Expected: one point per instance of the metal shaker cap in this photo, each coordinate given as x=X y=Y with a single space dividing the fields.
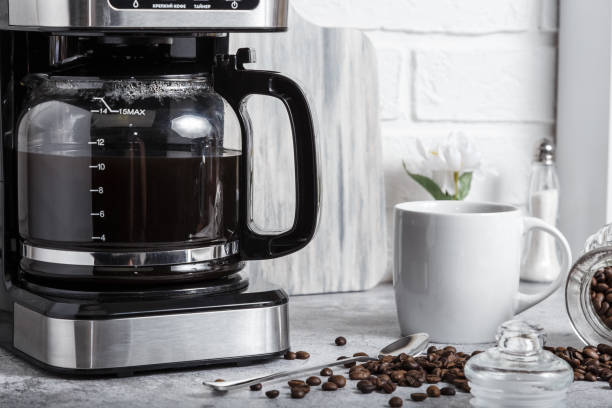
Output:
x=546 y=152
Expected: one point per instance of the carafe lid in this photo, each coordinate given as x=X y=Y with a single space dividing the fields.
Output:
x=518 y=369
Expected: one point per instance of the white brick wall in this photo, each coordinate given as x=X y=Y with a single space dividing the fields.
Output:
x=486 y=67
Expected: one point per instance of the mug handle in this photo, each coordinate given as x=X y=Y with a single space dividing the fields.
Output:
x=524 y=300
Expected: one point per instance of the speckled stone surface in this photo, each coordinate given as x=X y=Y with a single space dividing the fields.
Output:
x=366 y=319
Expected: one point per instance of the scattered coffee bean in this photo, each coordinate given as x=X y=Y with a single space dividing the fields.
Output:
x=326 y=372
x=366 y=386
x=388 y=387
x=361 y=354
x=418 y=396
x=314 y=381
x=433 y=391
x=396 y=402
x=219 y=380
x=339 y=380
x=447 y=391
x=305 y=388
x=432 y=379
x=256 y=387
x=272 y=394
x=297 y=393
x=290 y=355
x=295 y=383
x=302 y=355
x=340 y=341
x=330 y=386
x=589 y=364
x=359 y=375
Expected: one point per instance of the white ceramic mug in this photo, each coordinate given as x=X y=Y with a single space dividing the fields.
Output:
x=457 y=268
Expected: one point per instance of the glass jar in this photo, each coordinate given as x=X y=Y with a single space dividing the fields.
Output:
x=588 y=293
x=518 y=372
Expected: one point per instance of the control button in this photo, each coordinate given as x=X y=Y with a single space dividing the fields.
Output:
x=136 y=4
x=234 y=5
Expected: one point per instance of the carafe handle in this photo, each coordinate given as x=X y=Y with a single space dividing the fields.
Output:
x=235 y=84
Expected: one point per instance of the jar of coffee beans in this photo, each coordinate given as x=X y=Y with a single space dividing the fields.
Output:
x=588 y=293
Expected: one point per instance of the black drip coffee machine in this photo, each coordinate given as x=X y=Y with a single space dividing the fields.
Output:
x=126 y=184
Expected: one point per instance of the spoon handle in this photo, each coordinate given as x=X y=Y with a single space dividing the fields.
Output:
x=232 y=385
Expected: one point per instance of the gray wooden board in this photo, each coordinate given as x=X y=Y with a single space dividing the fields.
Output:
x=337 y=69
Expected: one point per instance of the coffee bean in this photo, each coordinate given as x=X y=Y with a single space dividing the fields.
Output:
x=605 y=349
x=326 y=372
x=432 y=379
x=366 y=386
x=413 y=382
x=447 y=391
x=297 y=393
x=590 y=352
x=340 y=341
x=256 y=387
x=590 y=377
x=330 y=386
x=290 y=355
x=339 y=380
x=359 y=374
x=295 y=383
x=314 y=381
x=389 y=387
x=396 y=402
x=305 y=388
x=578 y=376
x=302 y=355
x=418 y=396
x=433 y=391
x=219 y=380
x=361 y=354
x=272 y=394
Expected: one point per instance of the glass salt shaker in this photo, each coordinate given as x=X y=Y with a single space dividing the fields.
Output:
x=588 y=293
x=541 y=263
x=518 y=372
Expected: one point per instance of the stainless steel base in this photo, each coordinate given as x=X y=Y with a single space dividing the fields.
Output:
x=156 y=340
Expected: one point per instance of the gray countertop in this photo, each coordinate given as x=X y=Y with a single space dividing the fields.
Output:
x=366 y=319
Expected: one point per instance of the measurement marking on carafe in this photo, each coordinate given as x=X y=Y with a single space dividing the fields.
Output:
x=99 y=142
x=99 y=190
x=100 y=238
x=108 y=108
x=98 y=214
x=99 y=166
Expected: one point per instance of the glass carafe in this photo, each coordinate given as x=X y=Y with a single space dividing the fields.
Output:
x=148 y=178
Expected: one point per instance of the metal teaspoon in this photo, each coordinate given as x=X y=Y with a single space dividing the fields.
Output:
x=412 y=345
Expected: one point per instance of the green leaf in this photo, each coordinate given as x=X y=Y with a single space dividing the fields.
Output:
x=429 y=185
x=464 y=185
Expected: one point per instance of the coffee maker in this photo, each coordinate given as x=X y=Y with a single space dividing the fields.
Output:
x=126 y=185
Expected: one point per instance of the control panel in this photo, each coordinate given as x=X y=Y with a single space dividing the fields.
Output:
x=184 y=4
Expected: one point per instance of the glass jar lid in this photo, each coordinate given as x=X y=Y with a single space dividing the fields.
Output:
x=518 y=372
x=589 y=288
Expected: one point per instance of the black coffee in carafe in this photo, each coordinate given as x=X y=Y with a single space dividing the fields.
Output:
x=138 y=198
